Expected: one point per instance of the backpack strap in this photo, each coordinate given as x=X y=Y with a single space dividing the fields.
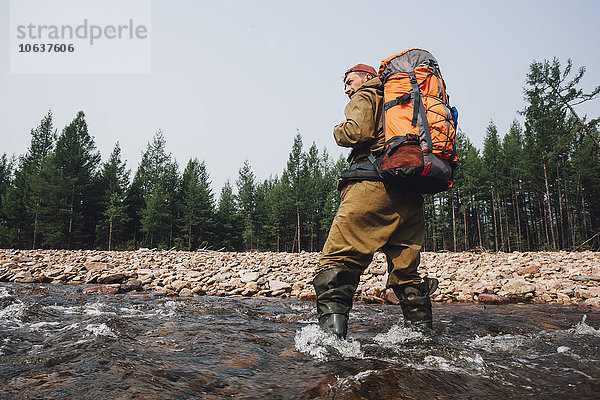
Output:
x=373 y=160
x=397 y=141
x=398 y=100
x=351 y=156
x=419 y=109
x=363 y=171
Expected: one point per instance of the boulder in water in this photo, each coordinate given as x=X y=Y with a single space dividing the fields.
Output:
x=108 y=289
x=488 y=298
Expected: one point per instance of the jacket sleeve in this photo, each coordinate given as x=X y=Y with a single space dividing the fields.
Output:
x=359 y=127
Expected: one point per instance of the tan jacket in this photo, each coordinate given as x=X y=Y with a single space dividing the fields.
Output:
x=363 y=128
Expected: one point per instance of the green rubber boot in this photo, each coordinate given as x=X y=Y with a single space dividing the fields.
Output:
x=416 y=303
x=335 y=323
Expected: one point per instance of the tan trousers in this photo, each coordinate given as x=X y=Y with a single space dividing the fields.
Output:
x=371 y=216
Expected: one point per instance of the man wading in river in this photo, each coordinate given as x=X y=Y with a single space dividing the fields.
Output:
x=372 y=215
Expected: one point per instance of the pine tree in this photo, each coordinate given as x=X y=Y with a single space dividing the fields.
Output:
x=293 y=178
x=264 y=230
x=53 y=211
x=228 y=220
x=197 y=219
x=156 y=181
x=114 y=180
x=548 y=81
x=134 y=203
x=171 y=182
x=76 y=160
x=512 y=162
x=492 y=149
x=155 y=217
x=28 y=194
x=275 y=203
x=40 y=169
x=313 y=204
x=246 y=199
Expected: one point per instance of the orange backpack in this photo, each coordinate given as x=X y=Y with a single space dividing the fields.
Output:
x=419 y=124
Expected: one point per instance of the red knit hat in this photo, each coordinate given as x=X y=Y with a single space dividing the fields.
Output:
x=362 y=68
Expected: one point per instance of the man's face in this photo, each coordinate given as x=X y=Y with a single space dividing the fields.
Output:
x=353 y=81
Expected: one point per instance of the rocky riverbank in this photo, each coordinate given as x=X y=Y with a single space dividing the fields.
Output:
x=552 y=277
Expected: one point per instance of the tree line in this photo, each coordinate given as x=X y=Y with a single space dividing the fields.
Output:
x=59 y=195
x=534 y=188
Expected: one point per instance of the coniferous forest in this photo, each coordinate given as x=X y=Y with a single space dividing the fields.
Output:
x=535 y=187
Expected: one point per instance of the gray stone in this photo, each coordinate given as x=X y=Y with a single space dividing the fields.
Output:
x=518 y=287
x=246 y=277
x=594 y=302
x=179 y=285
x=112 y=278
x=23 y=277
x=276 y=285
x=278 y=292
x=250 y=289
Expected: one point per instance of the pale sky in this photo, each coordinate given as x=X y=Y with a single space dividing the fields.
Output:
x=234 y=80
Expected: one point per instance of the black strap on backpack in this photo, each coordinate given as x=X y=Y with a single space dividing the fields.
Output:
x=362 y=171
x=398 y=100
x=419 y=108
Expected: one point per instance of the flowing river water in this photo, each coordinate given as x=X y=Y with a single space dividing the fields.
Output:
x=58 y=343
